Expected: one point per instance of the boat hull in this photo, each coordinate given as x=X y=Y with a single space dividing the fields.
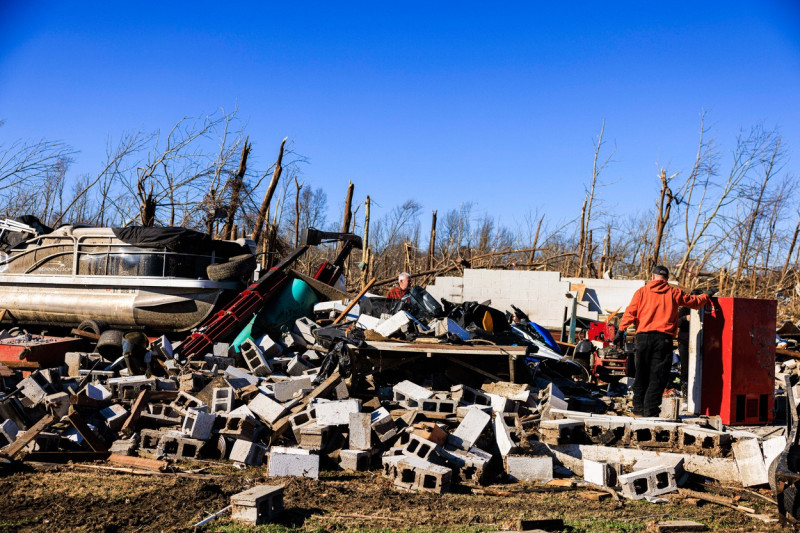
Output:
x=156 y=304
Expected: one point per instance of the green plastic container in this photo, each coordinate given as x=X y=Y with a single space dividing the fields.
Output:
x=296 y=300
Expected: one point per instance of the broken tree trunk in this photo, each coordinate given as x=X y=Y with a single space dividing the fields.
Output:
x=237 y=183
x=263 y=212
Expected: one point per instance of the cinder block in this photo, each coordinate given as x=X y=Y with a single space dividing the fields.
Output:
x=241 y=426
x=8 y=432
x=605 y=431
x=267 y=409
x=564 y=431
x=469 y=465
x=305 y=327
x=383 y=424
x=162 y=346
x=355 y=460
x=360 y=431
x=649 y=482
x=750 y=461
x=653 y=434
x=58 y=403
x=336 y=413
x=186 y=401
x=115 y=416
x=296 y=366
x=422 y=448
x=198 y=424
x=247 y=452
x=254 y=358
x=238 y=378
x=526 y=468
x=174 y=445
x=435 y=405
x=469 y=396
x=368 y=322
x=600 y=473
x=269 y=347
x=470 y=429
x=96 y=391
x=222 y=401
x=340 y=391
x=397 y=323
x=313 y=436
x=293 y=462
x=129 y=387
x=300 y=419
x=503 y=436
x=670 y=408
x=75 y=361
x=294 y=341
x=221 y=349
x=258 y=505
x=695 y=439
x=413 y=473
x=410 y=395
x=773 y=447
x=286 y=390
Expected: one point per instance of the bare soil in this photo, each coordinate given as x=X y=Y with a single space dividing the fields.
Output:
x=73 y=498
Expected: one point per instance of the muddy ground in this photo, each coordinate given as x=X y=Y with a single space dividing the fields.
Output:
x=78 y=498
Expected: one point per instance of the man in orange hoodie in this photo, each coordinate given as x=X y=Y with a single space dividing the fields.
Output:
x=653 y=311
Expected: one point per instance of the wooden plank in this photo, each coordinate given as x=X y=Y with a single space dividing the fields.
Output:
x=138 y=462
x=85 y=431
x=22 y=365
x=65 y=457
x=22 y=440
x=85 y=334
x=5 y=371
x=281 y=425
x=445 y=349
x=136 y=410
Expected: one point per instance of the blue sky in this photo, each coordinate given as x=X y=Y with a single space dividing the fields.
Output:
x=495 y=104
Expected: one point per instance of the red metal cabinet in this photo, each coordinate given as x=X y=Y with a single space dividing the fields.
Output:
x=738 y=380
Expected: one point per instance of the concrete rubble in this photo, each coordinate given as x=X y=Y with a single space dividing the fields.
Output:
x=309 y=397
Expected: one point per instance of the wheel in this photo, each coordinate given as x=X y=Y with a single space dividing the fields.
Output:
x=95 y=326
x=110 y=344
x=238 y=267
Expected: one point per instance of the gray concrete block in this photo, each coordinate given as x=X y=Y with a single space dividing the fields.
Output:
x=267 y=409
x=410 y=395
x=360 y=431
x=749 y=459
x=305 y=327
x=8 y=432
x=383 y=424
x=247 y=452
x=222 y=400
x=527 y=468
x=58 y=403
x=563 y=431
x=337 y=412
x=470 y=429
x=293 y=462
x=503 y=436
x=254 y=358
x=198 y=424
x=238 y=378
x=397 y=323
x=355 y=460
x=413 y=473
x=286 y=390
x=269 y=347
x=600 y=473
x=258 y=505
x=114 y=416
x=469 y=396
x=186 y=401
x=648 y=482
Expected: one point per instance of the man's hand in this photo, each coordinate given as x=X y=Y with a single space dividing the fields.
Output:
x=619 y=339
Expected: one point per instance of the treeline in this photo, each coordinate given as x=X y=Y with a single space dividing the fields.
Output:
x=729 y=222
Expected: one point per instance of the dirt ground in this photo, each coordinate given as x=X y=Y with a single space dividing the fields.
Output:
x=76 y=498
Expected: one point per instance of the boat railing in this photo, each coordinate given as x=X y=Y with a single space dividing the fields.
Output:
x=113 y=248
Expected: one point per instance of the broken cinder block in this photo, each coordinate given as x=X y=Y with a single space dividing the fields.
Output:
x=258 y=505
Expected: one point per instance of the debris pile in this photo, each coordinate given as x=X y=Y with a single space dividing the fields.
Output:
x=432 y=394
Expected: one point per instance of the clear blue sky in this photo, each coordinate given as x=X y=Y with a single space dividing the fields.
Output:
x=491 y=103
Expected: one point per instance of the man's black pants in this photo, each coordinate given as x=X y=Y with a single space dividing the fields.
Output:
x=653 y=364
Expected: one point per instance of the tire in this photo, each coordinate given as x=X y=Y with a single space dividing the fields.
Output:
x=95 y=326
x=238 y=267
x=110 y=344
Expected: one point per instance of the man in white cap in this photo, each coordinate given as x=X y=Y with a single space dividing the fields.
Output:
x=403 y=286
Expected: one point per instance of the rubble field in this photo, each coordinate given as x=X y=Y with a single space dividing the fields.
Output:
x=78 y=499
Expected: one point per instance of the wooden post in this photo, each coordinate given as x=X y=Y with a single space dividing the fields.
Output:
x=432 y=241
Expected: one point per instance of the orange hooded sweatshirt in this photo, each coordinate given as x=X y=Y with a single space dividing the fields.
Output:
x=654 y=307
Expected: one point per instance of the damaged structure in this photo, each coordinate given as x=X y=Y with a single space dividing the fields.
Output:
x=295 y=375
